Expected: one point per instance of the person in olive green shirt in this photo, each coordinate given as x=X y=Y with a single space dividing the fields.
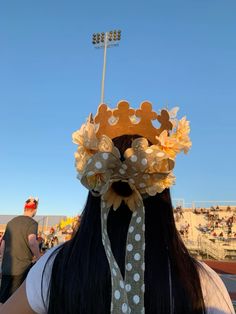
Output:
x=18 y=247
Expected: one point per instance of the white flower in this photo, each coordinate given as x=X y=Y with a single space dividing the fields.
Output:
x=86 y=136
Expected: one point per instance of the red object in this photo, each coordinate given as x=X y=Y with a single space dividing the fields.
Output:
x=30 y=205
x=222 y=267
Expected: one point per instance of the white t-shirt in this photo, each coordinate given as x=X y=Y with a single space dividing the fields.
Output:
x=215 y=295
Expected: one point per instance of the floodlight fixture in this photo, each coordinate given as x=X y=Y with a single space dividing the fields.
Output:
x=105 y=40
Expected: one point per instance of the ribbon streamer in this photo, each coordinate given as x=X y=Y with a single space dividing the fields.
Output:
x=127 y=293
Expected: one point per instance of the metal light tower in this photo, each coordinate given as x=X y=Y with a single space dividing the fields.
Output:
x=105 y=40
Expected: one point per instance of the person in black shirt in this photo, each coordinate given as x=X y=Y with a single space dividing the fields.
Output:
x=18 y=247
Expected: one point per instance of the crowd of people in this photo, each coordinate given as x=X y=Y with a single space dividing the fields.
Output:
x=47 y=241
x=220 y=227
x=217 y=208
x=219 y=222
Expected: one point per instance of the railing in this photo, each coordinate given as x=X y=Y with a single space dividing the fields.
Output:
x=206 y=204
x=212 y=249
x=205 y=246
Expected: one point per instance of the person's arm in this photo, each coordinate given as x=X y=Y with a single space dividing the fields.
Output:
x=34 y=245
x=17 y=303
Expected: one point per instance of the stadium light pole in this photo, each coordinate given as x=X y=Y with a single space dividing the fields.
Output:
x=105 y=40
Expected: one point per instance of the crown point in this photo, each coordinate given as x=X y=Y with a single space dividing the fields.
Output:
x=123 y=103
x=164 y=119
x=146 y=105
x=131 y=121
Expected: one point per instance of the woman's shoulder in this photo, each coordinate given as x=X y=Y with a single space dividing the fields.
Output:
x=38 y=280
x=215 y=294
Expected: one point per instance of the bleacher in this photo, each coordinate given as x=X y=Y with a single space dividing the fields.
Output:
x=208 y=232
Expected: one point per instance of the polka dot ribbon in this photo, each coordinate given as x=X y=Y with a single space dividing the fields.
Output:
x=128 y=292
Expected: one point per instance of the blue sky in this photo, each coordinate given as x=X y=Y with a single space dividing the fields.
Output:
x=175 y=53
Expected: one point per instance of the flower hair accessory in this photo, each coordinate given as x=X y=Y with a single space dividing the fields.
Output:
x=147 y=169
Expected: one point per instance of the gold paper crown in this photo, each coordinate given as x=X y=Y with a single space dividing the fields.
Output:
x=125 y=120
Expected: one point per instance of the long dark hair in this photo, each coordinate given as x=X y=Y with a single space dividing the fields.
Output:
x=81 y=282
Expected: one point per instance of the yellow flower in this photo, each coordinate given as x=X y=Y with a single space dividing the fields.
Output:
x=88 y=146
x=81 y=158
x=87 y=142
x=167 y=182
x=161 y=185
x=134 y=201
x=182 y=134
x=168 y=144
x=177 y=141
x=86 y=136
x=113 y=199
